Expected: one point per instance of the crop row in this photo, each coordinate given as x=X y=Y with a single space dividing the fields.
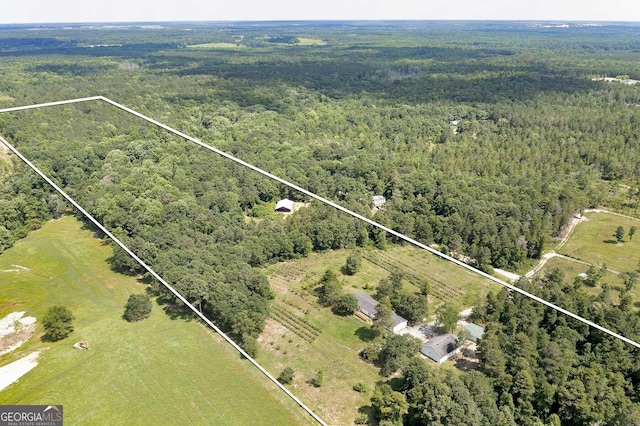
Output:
x=294 y=323
x=438 y=288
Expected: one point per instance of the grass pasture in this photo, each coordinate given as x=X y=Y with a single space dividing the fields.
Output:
x=160 y=370
x=593 y=241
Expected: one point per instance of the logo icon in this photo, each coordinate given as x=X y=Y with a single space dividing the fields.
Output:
x=32 y=415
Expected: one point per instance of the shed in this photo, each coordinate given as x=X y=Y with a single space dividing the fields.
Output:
x=284 y=206
x=379 y=200
x=367 y=305
x=455 y=122
x=475 y=330
x=440 y=348
x=583 y=276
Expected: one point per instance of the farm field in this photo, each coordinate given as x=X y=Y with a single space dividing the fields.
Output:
x=134 y=373
x=449 y=282
x=593 y=241
x=300 y=332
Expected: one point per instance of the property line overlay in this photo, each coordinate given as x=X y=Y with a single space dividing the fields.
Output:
x=160 y=279
x=299 y=189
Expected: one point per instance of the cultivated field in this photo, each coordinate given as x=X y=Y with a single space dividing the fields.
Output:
x=160 y=370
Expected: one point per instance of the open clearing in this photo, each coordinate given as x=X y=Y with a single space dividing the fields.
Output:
x=571 y=270
x=216 y=46
x=302 y=41
x=593 y=241
x=135 y=373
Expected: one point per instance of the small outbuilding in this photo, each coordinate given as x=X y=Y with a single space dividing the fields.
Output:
x=441 y=348
x=455 y=122
x=284 y=206
x=475 y=330
x=367 y=306
x=379 y=200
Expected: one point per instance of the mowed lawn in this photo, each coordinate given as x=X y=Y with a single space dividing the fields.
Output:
x=593 y=241
x=158 y=371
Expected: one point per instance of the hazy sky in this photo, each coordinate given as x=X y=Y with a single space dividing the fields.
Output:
x=23 y=11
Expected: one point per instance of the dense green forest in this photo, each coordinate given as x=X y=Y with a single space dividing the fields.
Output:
x=370 y=111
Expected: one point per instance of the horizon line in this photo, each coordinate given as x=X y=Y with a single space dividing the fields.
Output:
x=319 y=20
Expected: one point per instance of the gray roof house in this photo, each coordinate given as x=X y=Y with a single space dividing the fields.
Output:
x=440 y=348
x=284 y=206
x=367 y=305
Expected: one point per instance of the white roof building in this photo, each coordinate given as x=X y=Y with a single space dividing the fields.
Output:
x=379 y=200
x=284 y=206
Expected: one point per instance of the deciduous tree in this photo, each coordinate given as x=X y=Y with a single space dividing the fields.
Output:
x=58 y=322
x=138 y=307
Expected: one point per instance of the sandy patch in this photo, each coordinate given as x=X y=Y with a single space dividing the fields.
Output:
x=18 y=268
x=509 y=275
x=12 y=372
x=15 y=329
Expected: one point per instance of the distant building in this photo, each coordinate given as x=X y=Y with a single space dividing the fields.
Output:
x=379 y=200
x=367 y=306
x=284 y=206
x=475 y=330
x=441 y=348
x=455 y=122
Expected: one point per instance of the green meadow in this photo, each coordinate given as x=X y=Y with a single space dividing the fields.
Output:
x=158 y=371
x=593 y=241
x=571 y=270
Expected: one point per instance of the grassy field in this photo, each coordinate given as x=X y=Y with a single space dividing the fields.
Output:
x=593 y=242
x=215 y=46
x=572 y=269
x=332 y=349
x=311 y=42
x=156 y=371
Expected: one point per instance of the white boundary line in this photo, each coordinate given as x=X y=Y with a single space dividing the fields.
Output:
x=310 y=194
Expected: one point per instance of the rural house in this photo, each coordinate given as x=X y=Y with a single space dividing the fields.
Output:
x=441 y=348
x=367 y=306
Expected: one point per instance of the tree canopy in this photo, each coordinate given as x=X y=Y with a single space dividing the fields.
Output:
x=58 y=322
